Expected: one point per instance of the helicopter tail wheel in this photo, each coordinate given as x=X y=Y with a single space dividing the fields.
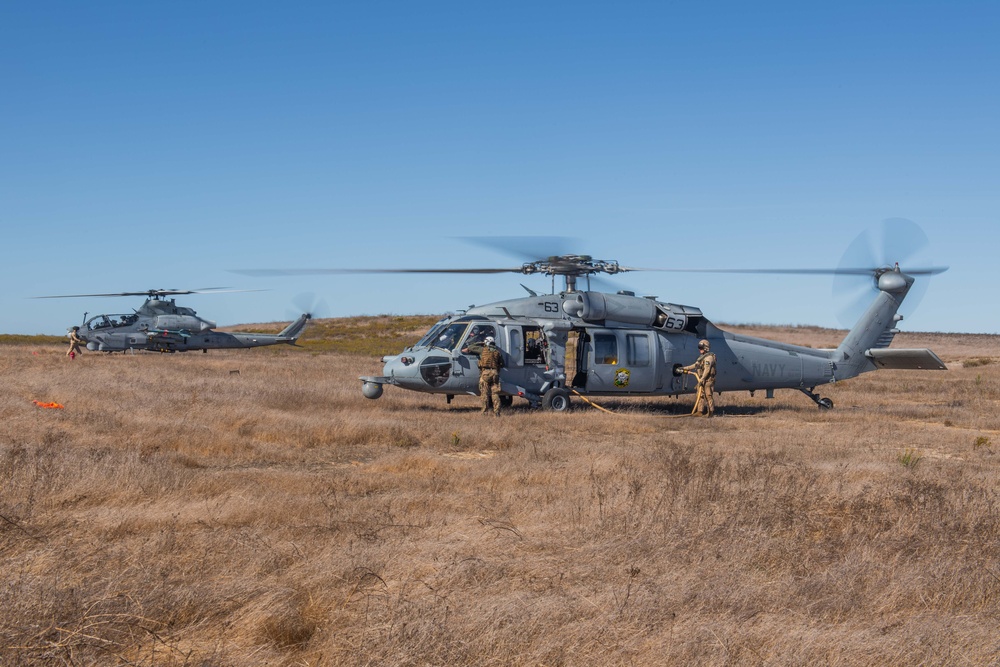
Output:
x=556 y=399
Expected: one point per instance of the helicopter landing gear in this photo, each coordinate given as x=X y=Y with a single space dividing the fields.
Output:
x=556 y=399
x=506 y=401
x=821 y=402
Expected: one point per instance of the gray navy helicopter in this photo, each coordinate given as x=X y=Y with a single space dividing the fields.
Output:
x=592 y=343
x=160 y=325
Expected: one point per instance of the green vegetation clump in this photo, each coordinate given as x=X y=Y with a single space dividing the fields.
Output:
x=910 y=458
x=372 y=336
x=368 y=335
x=37 y=339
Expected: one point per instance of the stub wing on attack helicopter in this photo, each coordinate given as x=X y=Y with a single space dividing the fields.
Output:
x=160 y=325
x=596 y=343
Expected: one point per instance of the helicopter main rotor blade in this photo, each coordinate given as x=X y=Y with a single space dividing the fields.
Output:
x=864 y=271
x=152 y=293
x=260 y=273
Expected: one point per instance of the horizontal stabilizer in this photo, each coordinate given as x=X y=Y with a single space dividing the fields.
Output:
x=906 y=359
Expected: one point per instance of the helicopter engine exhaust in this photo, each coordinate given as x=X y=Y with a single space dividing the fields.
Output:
x=597 y=307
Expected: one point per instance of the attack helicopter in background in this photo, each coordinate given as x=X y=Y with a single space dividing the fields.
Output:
x=594 y=343
x=160 y=325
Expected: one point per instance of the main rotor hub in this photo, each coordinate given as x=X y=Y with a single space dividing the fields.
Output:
x=571 y=265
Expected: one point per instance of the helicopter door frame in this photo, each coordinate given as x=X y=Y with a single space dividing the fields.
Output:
x=463 y=363
x=620 y=360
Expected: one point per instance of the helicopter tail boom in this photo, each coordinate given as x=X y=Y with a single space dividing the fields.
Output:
x=864 y=347
x=291 y=333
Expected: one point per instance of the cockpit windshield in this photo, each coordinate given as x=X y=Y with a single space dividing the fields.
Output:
x=111 y=321
x=431 y=335
x=449 y=337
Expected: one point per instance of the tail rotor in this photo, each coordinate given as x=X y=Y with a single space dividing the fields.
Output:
x=882 y=247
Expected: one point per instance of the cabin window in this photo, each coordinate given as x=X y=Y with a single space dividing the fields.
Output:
x=514 y=347
x=637 y=349
x=605 y=349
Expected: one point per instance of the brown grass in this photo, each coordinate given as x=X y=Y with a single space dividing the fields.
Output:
x=251 y=507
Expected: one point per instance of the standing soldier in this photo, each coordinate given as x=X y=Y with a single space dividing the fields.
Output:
x=703 y=370
x=490 y=363
x=74 y=343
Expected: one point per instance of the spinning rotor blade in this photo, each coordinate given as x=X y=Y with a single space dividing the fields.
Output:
x=153 y=293
x=262 y=273
x=525 y=248
x=890 y=242
x=866 y=271
x=308 y=302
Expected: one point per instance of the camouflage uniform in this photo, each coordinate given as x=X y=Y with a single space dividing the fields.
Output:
x=490 y=363
x=704 y=371
x=74 y=343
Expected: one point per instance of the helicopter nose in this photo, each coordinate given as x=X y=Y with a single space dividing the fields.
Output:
x=399 y=366
x=419 y=371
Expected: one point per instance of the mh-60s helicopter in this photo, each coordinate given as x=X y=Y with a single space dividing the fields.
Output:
x=618 y=344
x=161 y=325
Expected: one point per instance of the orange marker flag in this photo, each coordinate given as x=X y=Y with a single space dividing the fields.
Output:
x=58 y=406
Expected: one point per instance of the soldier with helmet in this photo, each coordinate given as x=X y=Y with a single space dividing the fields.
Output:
x=475 y=340
x=703 y=370
x=490 y=363
x=74 y=342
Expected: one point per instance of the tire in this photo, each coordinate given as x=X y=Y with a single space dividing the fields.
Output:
x=825 y=404
x=506 y=401
x=556 y=399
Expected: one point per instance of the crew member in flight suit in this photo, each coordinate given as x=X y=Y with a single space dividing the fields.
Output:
x=490 y=363
x=703 y=370
x=74 y=343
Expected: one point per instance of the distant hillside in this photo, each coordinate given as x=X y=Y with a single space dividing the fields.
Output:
x=368 y=335
x=37 y=339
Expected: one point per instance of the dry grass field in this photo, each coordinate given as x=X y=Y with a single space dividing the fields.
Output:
x=252 y=508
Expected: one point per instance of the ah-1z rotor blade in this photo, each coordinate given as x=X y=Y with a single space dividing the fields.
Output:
x=152 y=293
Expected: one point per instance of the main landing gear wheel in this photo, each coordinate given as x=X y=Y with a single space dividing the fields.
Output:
x=821 y=402
x=506 y=401
x=556 y=399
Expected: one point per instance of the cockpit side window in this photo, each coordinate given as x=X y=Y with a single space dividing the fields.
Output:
x=449 y=338
x=478 y=334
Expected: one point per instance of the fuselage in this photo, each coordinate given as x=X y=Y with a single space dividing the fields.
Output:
x=163 y=326
x=598 y=344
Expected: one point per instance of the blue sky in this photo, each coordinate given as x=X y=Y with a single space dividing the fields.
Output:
x=159 y=145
